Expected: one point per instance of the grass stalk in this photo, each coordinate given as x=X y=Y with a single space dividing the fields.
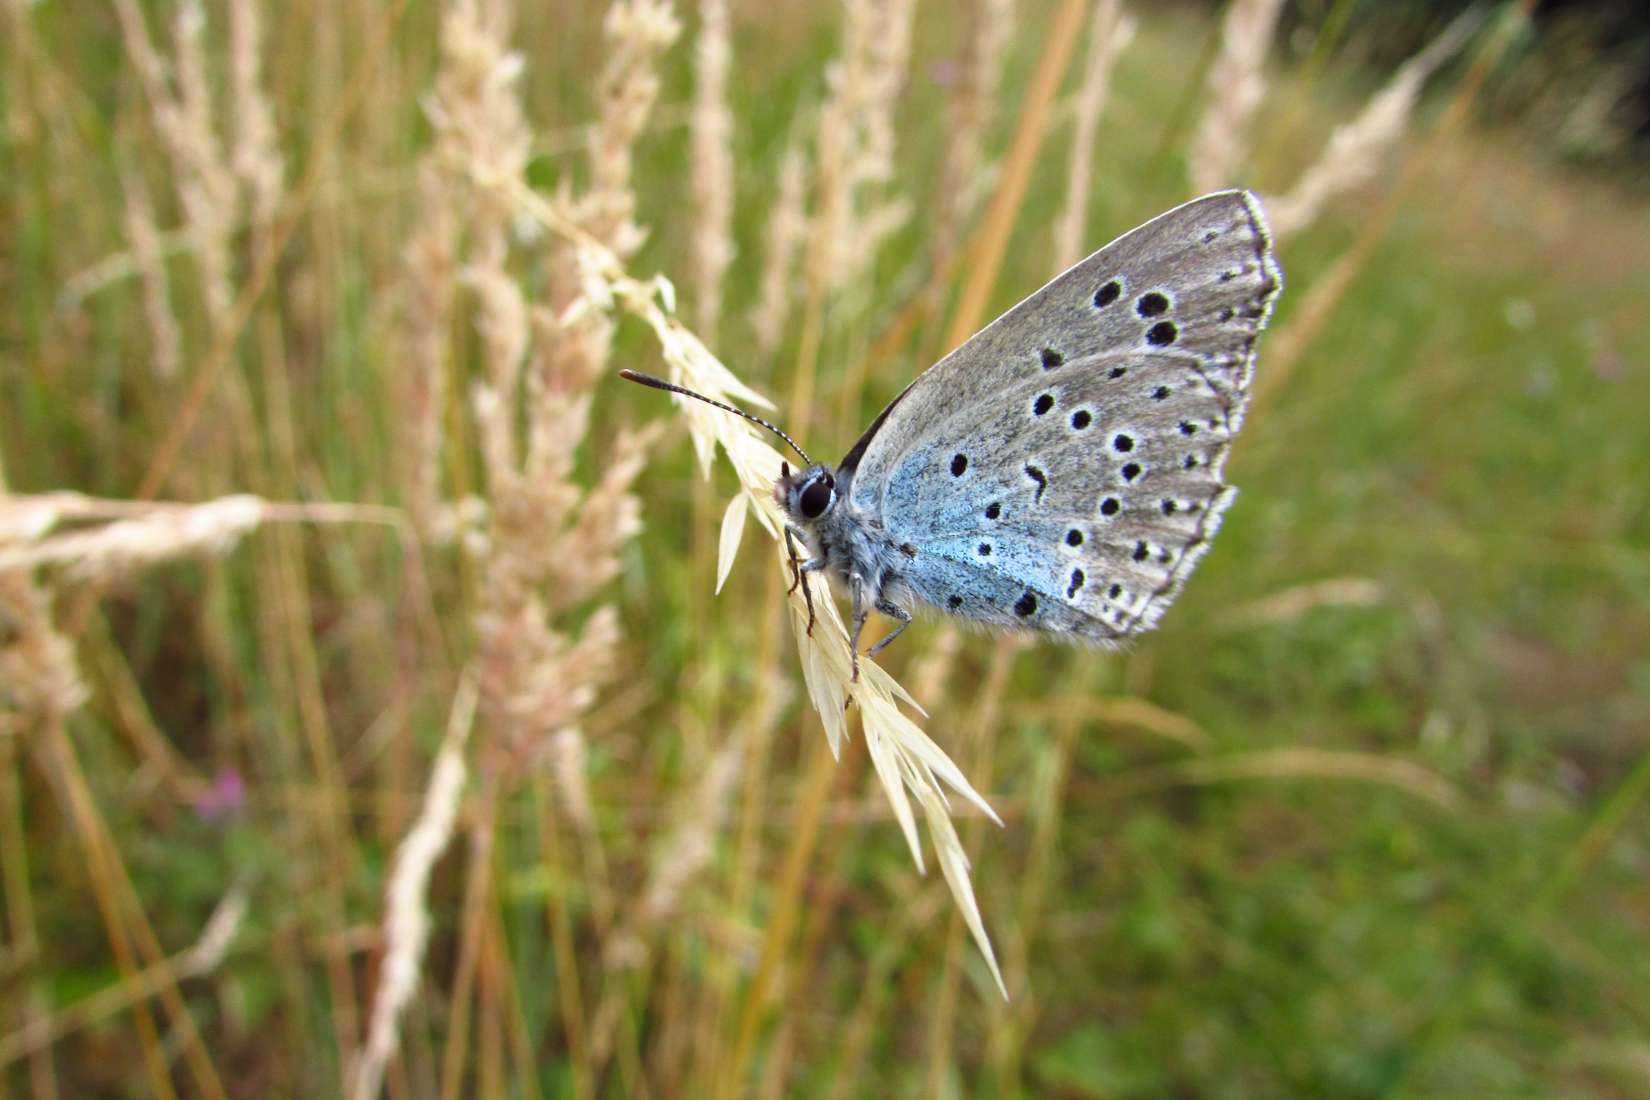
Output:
x=822 y=917
x=879 y=987
x=291 y=598
x=1059 y=46
x=88 y=826
x=114 y=682
x=748 y=845
x=787 y=900
x=1045 y=815
x=226 y=337
x=987 y=714
x=570 y=998
x=1310 y=316
x=1110 y=29
x=478 y=885
x=45 y=1029
x=1236 y=87
x=1445 y=1021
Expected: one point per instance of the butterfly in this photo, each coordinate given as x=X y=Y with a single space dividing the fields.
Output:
x=1060 y=472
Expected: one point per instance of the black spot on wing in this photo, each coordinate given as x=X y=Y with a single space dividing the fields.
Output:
x=1037 y=475
x=1162 y=334
x=1152 y=305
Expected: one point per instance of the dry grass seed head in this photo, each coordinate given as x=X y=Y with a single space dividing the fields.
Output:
x=855 y=150
x=257 y=156
x=428 y=268
x=1355 y=150
x=165 y=336
x=180 y=108
x=480 y=134
x=908 y=763
x=637 y=32
x=1237 y=84
x=406 y=917
x=713 y=247
x=987 y=24
x=158 y=533
x=787 y=229
x=39 y=678
x=1110 y=31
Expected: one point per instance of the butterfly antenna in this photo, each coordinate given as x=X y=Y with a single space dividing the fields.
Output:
x=661 y=384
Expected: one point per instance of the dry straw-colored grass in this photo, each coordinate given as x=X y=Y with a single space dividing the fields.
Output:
x=1110 y=30
x=503 y=305
x=713 y=185
x=1358 y=149
x=1235 y=87
x=406 y=915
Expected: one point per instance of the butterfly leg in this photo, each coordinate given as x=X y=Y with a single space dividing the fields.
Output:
x=799 y=567
x=898 y=614
x=856 y=585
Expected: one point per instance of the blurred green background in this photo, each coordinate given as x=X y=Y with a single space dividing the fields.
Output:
x=1364 y=818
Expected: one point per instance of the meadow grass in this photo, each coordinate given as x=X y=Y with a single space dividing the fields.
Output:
x=423 y=757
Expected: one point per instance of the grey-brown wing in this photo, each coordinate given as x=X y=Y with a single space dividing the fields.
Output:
x=1074 y=447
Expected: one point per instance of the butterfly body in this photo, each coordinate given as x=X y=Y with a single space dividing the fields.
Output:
x=1061 y=471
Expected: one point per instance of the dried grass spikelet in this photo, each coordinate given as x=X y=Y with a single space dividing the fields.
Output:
x=1355 y=150
x=1236 y=85
x=162 y=533
x=108 y=539
x=480 y=135
x=39 y=679
x=550 y=547
x=117 y=537
x=182 y=117
x=987 y=24
x=636 y=33
x=406 y=919
x=713 y=247
x=568 y=760
x=1297 y=763
x=428 y=269
x=165 y=340
x=854 y=153
x=907 y=762
x=787 y=229
x=550 y=543
x=218 y=934
x=256 y=158
x=1110 y=31
x=1295 y=601
x=212 y=208
x=212 y=186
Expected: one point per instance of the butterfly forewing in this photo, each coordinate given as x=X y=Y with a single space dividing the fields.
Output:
x=1061 y=470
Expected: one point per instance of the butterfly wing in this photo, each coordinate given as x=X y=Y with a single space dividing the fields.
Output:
x=1061 y=470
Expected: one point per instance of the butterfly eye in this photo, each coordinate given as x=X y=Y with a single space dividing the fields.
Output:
x=815 y=499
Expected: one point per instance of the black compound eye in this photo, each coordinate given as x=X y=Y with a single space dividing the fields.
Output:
x=815 y=499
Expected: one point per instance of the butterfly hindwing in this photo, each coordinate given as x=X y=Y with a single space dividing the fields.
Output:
x=1061 y=471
